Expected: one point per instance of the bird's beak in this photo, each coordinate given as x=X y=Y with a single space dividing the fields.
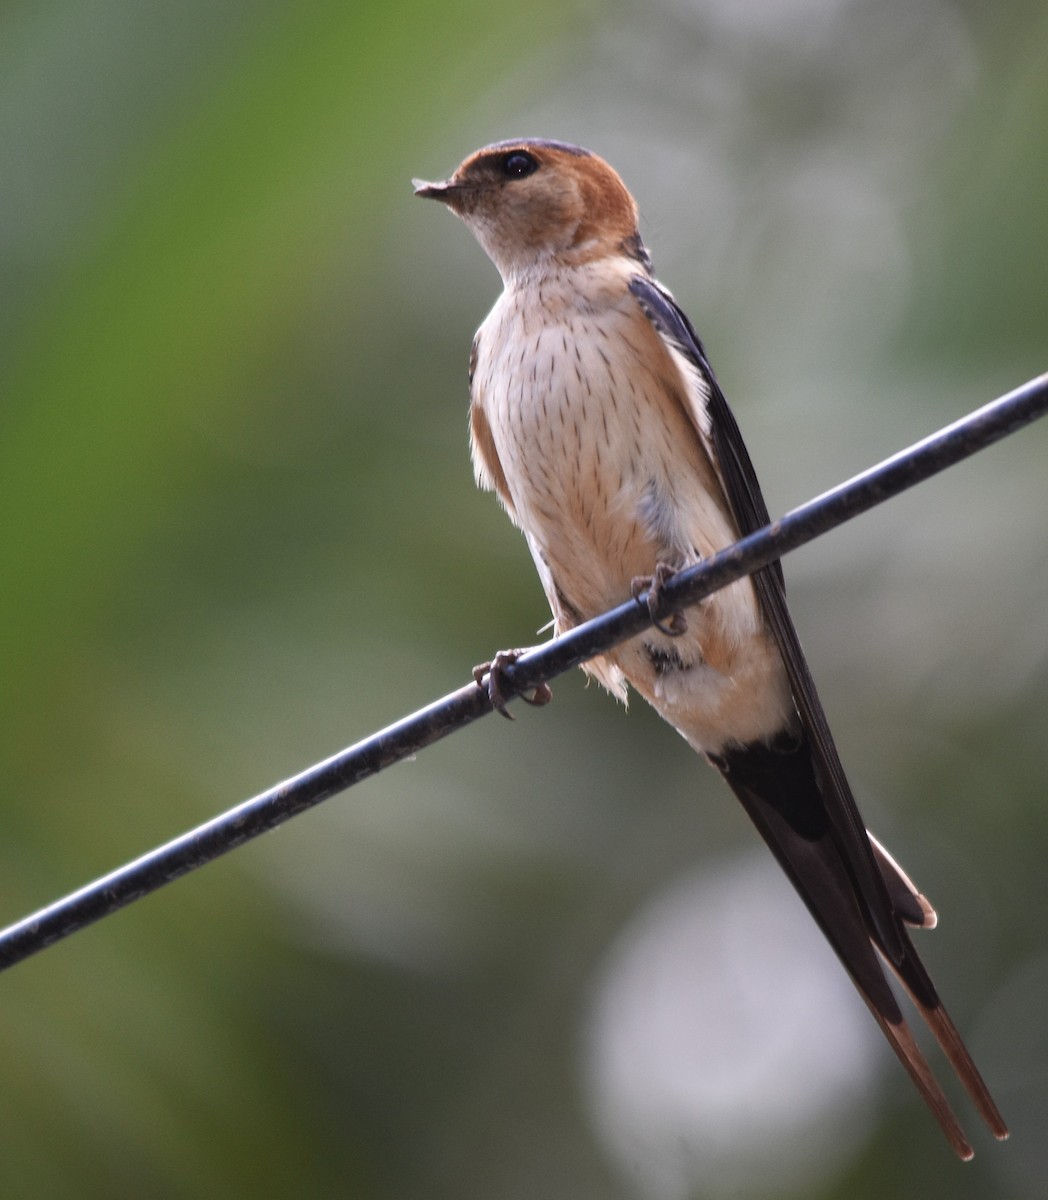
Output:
x=433 y=191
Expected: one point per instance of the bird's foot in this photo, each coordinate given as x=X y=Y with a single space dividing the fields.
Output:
x=647 y=590
x=491 y=677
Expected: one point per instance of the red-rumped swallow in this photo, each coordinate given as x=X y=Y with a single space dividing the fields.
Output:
x=597 y=420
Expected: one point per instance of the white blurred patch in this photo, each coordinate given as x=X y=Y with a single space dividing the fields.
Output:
x=727 y=1053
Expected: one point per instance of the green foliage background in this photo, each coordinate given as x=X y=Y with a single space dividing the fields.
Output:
x=239 y=532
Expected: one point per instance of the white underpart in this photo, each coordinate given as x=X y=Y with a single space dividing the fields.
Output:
x=603 y=435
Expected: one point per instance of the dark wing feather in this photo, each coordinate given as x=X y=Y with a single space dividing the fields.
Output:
x=799 y=797
x=751 y=514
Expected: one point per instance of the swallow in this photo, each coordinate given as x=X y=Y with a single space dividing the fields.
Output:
x=597 y=420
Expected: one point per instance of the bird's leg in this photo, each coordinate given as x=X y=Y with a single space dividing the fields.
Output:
x=652 y=585
x=491 y=677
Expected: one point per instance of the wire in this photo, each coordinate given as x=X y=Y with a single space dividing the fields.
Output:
x=273 y=807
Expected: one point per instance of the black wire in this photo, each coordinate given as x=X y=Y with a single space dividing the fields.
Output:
x=275 y=806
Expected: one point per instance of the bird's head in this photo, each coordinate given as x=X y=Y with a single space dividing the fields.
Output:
x=535 y=204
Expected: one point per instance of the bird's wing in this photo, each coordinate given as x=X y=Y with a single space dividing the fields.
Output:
x=486 y=465
x=751 y=513
x=839 y=858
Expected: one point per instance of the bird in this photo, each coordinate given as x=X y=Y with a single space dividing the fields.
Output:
x=597 y=420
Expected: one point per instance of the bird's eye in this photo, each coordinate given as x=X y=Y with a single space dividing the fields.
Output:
x=519 y=163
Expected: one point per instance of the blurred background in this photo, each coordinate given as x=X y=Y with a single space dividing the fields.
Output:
x=240 y=532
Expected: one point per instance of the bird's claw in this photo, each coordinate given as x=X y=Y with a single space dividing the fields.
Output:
x=491 y=676
x=647 y=590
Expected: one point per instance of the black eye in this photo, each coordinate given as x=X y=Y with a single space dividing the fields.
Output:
x=519 y=163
